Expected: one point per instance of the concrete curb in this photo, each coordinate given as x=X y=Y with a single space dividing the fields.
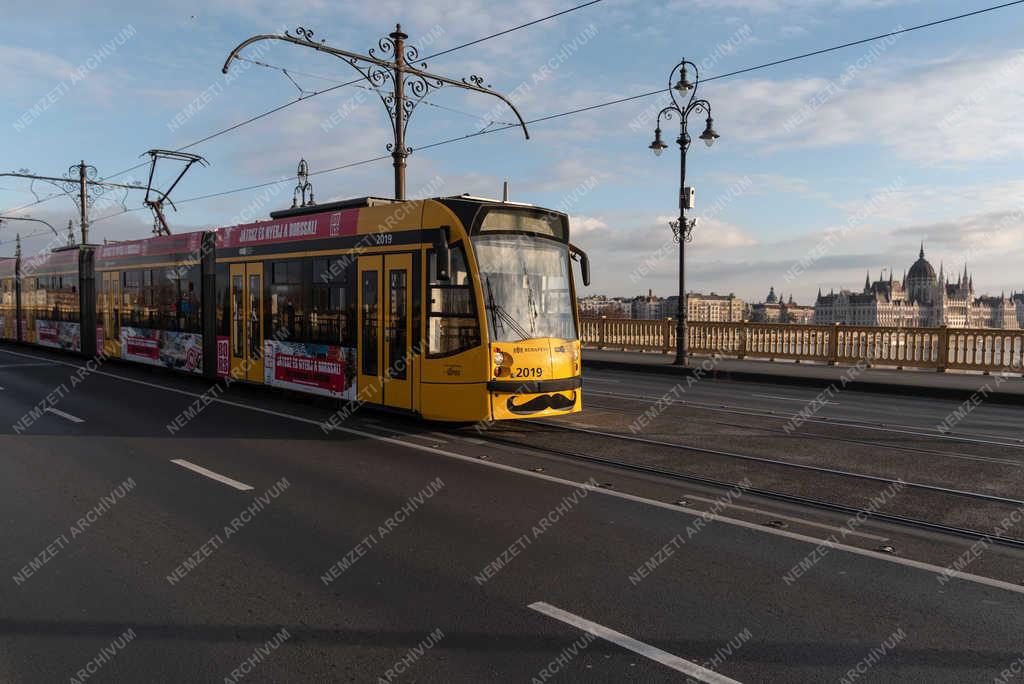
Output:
x=954 y=393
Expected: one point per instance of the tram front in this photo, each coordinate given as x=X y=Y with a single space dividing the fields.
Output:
x=524 y=265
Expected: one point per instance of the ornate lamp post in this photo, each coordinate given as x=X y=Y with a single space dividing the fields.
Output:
x=304 y=186
x=682 y=229
x=408 y=82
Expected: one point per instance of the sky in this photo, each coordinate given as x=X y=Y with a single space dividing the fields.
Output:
x=826 y=167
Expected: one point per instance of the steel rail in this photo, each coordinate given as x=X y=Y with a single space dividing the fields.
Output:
x=787 y=464
x=832 y=438
x=1011 y=542
x=969 y=437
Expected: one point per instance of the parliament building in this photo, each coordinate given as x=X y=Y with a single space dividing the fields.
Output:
x=921 y=299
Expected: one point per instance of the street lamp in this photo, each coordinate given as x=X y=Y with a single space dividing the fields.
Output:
x=683 y=228
x=395 y=71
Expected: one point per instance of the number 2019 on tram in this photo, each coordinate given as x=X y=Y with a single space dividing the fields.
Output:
x=456 y=308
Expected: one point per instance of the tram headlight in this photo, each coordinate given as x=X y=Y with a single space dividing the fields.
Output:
x=502 y=363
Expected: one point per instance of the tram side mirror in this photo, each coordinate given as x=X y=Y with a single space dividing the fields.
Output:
x=581 y=256
x=444 y=256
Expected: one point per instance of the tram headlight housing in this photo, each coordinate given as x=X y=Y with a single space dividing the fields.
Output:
x=502 y=363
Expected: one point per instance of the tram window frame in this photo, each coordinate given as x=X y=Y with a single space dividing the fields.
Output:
x=459 y=268
x=286 y=277
x=53 y=293
x=333 y=293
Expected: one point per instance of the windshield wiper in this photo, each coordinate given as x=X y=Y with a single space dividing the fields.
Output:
x=498 y=311
x=529 y=300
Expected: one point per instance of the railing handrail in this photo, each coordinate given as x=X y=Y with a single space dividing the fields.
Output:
x=942 y=347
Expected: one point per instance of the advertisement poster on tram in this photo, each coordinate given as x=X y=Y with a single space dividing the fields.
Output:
x=175 y=350
x=315 y=368
x=223 y=356
x=59 y=335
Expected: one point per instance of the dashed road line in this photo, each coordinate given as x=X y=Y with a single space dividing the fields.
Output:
x=241 y=486
x=65 y=416
x=630 y=644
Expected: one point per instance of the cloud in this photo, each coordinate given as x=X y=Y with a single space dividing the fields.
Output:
x=941 y=112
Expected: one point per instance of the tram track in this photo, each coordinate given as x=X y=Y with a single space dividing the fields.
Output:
x=768 y=493
x=830 y=438
x=915 y=431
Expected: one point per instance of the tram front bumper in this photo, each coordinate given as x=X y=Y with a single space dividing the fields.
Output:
x=512 y=399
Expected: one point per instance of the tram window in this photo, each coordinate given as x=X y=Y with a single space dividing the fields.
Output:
x=370 y=314
x=287 y=272
x=452 y=323
x=238 y=319
x=176 y=300
x=223 y=302
x=56 y=297
x=332 y=316
x=287 y=301
x=340 y=270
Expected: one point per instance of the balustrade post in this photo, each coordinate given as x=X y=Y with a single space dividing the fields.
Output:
x=943 y=348
x=833 y=345
x=742 y=352
x=601 y=332
x=666 y=327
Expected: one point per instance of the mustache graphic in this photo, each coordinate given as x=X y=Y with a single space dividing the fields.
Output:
x=545 y=401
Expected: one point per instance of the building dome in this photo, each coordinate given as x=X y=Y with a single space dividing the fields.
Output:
x=921 y=271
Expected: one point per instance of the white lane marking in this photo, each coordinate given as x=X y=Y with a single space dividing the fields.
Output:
x=65 y=416
x=763 y=529
x=1 y=389
x=791 y=518
x=630 y=644
x=25 y=365
x=802 y=401
x=212 y=475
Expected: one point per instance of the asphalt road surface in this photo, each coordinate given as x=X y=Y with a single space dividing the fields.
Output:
x=251 y=545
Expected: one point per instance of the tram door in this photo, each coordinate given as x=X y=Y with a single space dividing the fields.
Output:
x=112 y=305
x=385 y=330
x=247 y=322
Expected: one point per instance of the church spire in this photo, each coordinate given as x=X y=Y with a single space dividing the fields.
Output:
x=921 y=255
x=867 y=281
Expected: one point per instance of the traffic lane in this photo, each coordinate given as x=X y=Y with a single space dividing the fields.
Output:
x=459 y=516
x=28 y=392
x=153 y=449
x=82 y=540
x=425 y=549
x=922 y=413
x=367 y=625
x=724 y=581
x=118 y=403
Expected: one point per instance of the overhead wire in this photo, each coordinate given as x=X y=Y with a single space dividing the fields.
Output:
x=315 y=93
x=639 y=96
x=571 y=112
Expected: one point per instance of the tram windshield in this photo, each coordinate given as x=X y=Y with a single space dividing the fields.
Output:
x=525 y=282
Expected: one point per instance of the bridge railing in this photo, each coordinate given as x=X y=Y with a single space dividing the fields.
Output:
x=978 y=349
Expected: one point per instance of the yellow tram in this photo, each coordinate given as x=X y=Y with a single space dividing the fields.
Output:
x=456 y=308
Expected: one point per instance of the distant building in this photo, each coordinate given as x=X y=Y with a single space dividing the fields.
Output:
x=647 y=308
x=596 y=306
x=711 y=307
x=775 y=309
x=920 y=299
